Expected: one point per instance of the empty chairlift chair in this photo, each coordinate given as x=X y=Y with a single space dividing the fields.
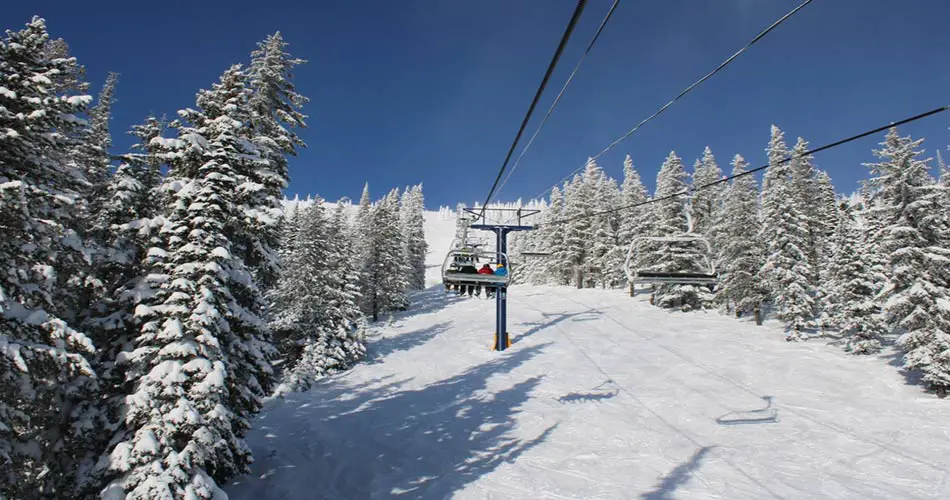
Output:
x=635 y=275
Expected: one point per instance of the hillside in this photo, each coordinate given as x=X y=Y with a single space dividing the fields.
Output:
x=601 y=396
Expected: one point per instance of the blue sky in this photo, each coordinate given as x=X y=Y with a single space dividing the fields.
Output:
x=432 y=91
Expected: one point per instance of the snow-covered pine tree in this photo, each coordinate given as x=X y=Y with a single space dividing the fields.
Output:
x=412 y=221
x=633 y=222
x=96 y=144
x=740 y=255
x=199 y=366
x=387 y=283
x=785 y=236
x=317 y=310
x=671 y=220
x=286 y=300
x=578 y=199
x=913 y=206
x=706 y=203
x=48 y=384
x=604 y=193
x=72 y=81
x=552 y=236
x=148 y=161
x=349 y=328
x=362 y=240
x=805 y=189
x=826 y=206
x=273 y=110
x=849 y=288
x=944 y=172
x=830 y=288
x=826 y=221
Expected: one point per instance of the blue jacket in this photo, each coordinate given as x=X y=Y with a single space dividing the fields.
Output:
x=501 y=271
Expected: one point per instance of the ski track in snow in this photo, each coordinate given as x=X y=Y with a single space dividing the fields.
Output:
x=601 y=396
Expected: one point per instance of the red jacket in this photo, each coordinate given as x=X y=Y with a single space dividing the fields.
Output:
x=486 y=270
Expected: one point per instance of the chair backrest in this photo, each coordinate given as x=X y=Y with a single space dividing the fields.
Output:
x=694 y=276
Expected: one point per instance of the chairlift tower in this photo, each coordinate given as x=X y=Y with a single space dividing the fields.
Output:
x=499 y=283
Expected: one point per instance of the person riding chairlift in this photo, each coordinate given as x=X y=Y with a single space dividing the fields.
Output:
x=502 y=270
x=467 y=268
x=486 y=269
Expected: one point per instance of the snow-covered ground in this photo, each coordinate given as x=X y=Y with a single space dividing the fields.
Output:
x=601 y=396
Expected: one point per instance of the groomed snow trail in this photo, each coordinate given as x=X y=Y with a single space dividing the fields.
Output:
x=600 y=397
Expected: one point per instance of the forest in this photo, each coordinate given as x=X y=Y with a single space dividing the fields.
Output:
x=868 y=269
x=150 y=300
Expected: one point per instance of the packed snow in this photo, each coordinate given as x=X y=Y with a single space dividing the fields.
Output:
x=600 y=396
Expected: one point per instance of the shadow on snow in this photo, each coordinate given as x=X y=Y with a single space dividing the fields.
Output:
x=378 y=348
x=382 y=439
x=677 y=477
x=767 y=415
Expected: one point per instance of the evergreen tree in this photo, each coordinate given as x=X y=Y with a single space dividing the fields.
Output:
x=73 y=79
x=826 y=222
x=412 y=220
x=576 y=230
x=804 y=188
x=671 y=219
x=273 y=109
x=97 y=142
x=851 y=289
x=633 y=222
x=552 y=236
x=387 y=285
x=48 y=385
x=603 y=195
x=706 y=203
x=148 y=161
x=363 y=239
x=740 y=256
x=913 y=206
x=785 y=235
x=348 y=331
x=316 y=309
x=200 y=364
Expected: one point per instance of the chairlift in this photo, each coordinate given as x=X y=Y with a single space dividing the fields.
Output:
x=456 y=259
x=636 y=276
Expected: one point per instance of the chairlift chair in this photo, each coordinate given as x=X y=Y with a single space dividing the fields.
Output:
x=707 y=277
x=451 y=274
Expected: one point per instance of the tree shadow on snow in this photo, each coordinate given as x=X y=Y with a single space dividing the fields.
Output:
x=431 y=299
x=895 y=358
x=383 y=439
x=379 y=347
x=677 y=477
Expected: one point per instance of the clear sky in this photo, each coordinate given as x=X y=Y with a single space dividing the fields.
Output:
x=432 y=91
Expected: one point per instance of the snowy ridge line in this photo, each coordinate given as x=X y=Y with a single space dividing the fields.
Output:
x=757 y=394
x=810 y=152
x=687 y=90
x=560 y=94
x=647 y=407
x=537 y=96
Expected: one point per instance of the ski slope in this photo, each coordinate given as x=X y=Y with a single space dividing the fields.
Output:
x=601 y=396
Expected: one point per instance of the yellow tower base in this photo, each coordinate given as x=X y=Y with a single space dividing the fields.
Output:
x=493 y=344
